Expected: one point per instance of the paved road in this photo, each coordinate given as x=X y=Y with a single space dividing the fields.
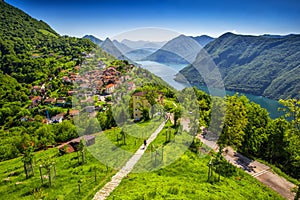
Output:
x=104 y=192
x=261 y=172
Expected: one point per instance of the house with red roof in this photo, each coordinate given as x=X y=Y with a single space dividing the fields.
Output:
x=109 y=89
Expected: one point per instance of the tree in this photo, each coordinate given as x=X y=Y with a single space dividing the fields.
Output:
x=102 y=119
x=110 y=118
x=235 y=121
x=27 y=160
x=292 y=110
x=121 y=116
x=45 y=136
x=273 y=150
x=177 y=114
x=216 y=115
x=93 y=126
x=145 y=113
x=65 y=131
x=255 y=131
x=151 y=97
x=292 y=135
x=297 y=197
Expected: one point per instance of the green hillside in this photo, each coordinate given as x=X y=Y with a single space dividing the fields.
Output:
x=255 y=64
x=33 y=55
x=30 y=50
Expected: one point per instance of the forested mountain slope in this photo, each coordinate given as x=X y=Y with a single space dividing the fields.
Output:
x=30 y=50
x=32 y=55
x=268 y=66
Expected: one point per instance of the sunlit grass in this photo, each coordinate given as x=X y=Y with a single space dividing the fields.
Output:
x=186 y=178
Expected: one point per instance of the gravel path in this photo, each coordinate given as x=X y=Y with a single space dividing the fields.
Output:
x=104 y=192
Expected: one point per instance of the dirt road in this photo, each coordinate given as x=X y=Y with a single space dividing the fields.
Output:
x=261 y=172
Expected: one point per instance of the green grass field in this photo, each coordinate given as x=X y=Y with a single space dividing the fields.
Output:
x=111 y=149
x=186 y=178
x=14 y=185
x=65 y=184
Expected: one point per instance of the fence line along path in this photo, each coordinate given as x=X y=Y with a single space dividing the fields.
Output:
x=126 y=169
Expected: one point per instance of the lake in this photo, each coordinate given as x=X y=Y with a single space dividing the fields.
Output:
x=167 y=73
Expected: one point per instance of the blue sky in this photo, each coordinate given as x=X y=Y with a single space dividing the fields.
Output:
x=107 y=18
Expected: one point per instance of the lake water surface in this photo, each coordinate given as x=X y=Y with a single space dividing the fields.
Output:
x=167 y=73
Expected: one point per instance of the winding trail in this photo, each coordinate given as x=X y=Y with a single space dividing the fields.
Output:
x=105 y=191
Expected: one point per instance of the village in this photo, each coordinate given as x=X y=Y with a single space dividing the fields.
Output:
x=88 y=91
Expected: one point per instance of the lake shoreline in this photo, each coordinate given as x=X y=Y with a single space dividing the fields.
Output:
x=168 y=71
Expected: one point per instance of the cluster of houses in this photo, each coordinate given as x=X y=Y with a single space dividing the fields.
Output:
x=100 y=82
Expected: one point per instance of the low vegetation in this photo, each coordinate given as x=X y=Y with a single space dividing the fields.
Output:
x=70 y=175
x=186 y=178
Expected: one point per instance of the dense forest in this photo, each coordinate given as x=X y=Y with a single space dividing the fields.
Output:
x=259 y=65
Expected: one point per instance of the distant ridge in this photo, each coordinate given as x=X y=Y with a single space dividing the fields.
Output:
x=276 y=36
x=114 y=48
x=180 y=50
x=108 y=46
x=203 y=40
x=122 y=47
x=141 y=44
x=93 y=39
x=139 y=54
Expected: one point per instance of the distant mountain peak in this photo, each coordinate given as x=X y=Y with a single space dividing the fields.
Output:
x=227 y=34
x=93 y=39
x=203 y=40
x=122 y=47
x=111 y=48
x=181 y=49
x=107 y=40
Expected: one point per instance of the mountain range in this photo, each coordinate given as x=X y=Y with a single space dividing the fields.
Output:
x=108 y=46
x=141 y=44
x=140 y=54
x=115 y=48
x=180 y=50
x=122 y=47
x=260 y=65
